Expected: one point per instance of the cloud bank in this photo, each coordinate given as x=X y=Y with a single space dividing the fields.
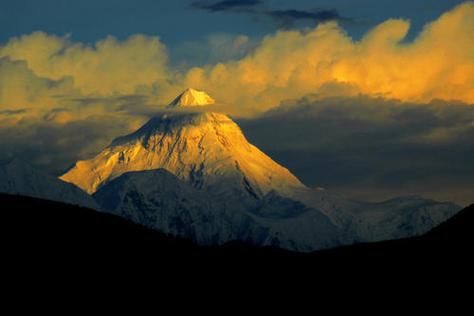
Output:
x=372 y=148
x=438 y=64
x=61 y=101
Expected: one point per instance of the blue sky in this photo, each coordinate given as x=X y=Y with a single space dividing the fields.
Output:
x=179 y=21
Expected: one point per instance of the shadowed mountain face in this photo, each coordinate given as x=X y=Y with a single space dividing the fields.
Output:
x=159 y=200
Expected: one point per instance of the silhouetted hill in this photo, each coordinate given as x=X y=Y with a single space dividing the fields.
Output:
x=39 y=229
x=49 y=234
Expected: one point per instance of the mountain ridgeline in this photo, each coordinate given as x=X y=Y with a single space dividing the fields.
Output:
x=193 y=174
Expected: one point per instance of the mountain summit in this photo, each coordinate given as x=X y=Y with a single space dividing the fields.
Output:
x=191 y=97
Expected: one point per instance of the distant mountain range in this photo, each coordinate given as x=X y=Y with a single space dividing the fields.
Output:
x=192 y=174
x=18 y=177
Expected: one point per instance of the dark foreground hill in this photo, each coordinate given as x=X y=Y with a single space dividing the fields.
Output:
x=38 y=233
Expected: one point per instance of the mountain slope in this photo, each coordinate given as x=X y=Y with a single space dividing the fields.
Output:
x=159 y=200
x=207 y=150
x=17 y=177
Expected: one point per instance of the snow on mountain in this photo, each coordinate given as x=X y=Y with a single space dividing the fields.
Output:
x=397 y=218
x=218 y=187
x=207 y=150
x=17 y=177
x=191 y=97
x=160 y=200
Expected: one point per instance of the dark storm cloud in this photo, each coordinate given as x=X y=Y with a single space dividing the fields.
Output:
x=54 y=147
x=119 y=103
x=227 y=5
x=282 y=18
x=287 y=18
x=13 y=112
x=373 y=148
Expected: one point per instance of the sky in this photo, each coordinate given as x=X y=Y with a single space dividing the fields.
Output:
x=183 y=21
x=371 y=99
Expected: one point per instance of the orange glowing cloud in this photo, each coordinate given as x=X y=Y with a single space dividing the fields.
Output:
x=110 y=67
x=38 y=70
x=438 y=64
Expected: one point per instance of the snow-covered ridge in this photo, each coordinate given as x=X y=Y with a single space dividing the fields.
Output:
x=18 y=177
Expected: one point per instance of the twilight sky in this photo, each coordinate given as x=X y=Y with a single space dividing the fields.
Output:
x=369 y=98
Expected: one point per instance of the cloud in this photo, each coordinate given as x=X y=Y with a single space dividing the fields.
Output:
x=372 y=148
x=288 y=18
x=282 y=18
x=213 y=48
x=54 y=145
x=226 y=5
x=107 y=68
x=41 y=73
x=252 y=76
x=13 y=112
x=22 y=92
x=437 y=64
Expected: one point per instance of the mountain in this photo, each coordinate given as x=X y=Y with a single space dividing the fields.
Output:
x=159 y=200
x=369 y=222
x=207 y=150
x=191 y=97
x=194 y=174
x=18 y=177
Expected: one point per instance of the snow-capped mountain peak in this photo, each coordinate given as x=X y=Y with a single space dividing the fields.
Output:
x=205 y=149
x=194 y=174
x=191 y=97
